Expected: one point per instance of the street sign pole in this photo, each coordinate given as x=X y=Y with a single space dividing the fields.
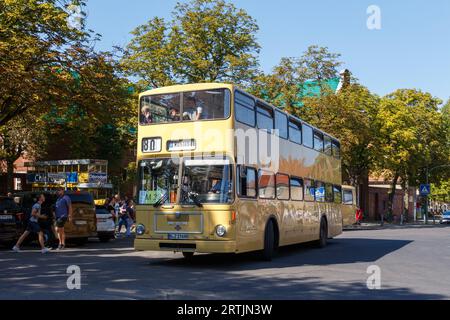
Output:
x=426 y=198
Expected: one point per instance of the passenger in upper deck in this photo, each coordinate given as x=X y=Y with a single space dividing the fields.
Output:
x=146 y=116
x=174 y=115
x=193 y=108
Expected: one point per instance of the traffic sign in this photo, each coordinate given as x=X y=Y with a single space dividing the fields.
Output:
x=424 y=189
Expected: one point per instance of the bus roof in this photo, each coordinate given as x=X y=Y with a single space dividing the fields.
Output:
x=216 y=85
x=187 y=87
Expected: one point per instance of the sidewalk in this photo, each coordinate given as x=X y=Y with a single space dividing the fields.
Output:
x=377 y=226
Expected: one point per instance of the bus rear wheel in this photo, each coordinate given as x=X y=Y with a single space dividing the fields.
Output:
x=323 y=234
x=269 y=242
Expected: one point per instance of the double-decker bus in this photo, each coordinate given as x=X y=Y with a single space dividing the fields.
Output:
x=223 y=171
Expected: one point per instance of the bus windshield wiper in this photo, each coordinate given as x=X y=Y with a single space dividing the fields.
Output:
x=160 y=200
x=194 y=198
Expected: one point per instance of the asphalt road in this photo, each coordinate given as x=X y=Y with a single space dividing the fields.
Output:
x=414 y=264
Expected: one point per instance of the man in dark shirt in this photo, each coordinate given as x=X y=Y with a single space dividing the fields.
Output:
x=63 y=212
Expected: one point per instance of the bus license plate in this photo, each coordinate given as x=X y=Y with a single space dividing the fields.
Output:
x=151 y=145
x=178 y=236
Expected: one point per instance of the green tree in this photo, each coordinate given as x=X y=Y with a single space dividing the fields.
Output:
x=410 y=137
x=205 y=41
x=285 y=86
x=347 y=115
x=36 y=39
x=18 y=138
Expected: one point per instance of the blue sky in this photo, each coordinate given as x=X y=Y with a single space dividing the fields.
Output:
x=412 y=49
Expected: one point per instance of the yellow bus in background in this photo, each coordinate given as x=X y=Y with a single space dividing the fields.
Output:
x=223 y=171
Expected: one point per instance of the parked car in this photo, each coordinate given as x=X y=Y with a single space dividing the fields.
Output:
x=10 y=214
x=445 y=217
x=105 y=224
x=84 y=222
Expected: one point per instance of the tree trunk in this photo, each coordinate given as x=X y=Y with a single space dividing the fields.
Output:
x=9 y=175
x=391 y=196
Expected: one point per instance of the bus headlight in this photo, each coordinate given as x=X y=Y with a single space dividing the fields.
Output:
x=140 y=229
x=221 y=230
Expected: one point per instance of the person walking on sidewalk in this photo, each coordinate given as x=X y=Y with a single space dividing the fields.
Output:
x=33 y=226
x=63 y=212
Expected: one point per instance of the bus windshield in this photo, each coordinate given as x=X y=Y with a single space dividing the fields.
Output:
x=185 y=106
x=158 y=181
x=206 y=181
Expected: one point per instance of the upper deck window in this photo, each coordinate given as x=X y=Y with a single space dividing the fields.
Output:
x=295 y=132
x=318 y=141
x=244 y=109
x=160 y=108
x=336 y=149
x=186 y=106
x=264 y=117
x=281 y=124
x=307 y=136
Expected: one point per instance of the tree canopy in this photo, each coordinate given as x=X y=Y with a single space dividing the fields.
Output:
x=205 y=41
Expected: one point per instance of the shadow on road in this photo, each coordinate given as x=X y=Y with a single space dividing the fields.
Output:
x=338 y=251
x=108 y=273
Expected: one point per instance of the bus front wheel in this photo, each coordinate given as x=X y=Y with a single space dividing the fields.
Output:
x=269 y=242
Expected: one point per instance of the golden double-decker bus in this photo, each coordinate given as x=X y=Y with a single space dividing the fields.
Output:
x=221 y=171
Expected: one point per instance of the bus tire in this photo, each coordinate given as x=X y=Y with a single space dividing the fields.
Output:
x=269 y=242
x=323 y=234
x=188 y=255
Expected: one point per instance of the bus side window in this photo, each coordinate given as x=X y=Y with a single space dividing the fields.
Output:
x=307 y=135
x=309 y=190
x=336 y=148
x=282 y=181
x=297 y=189
x=337 y=194
x=329 y=197
x=327 y=145
x=244 y=109
x=264 y=117
x=347 y=196
x=320 y=191
x=295 y=132
x=281 y=124
x=266 y=184
x=318 y=141
x=246 y=182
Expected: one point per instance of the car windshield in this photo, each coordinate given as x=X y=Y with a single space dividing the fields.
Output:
x=206 y=181
x=186 y=106
x=85 y=198
x=8 y=205
x=158 y=181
